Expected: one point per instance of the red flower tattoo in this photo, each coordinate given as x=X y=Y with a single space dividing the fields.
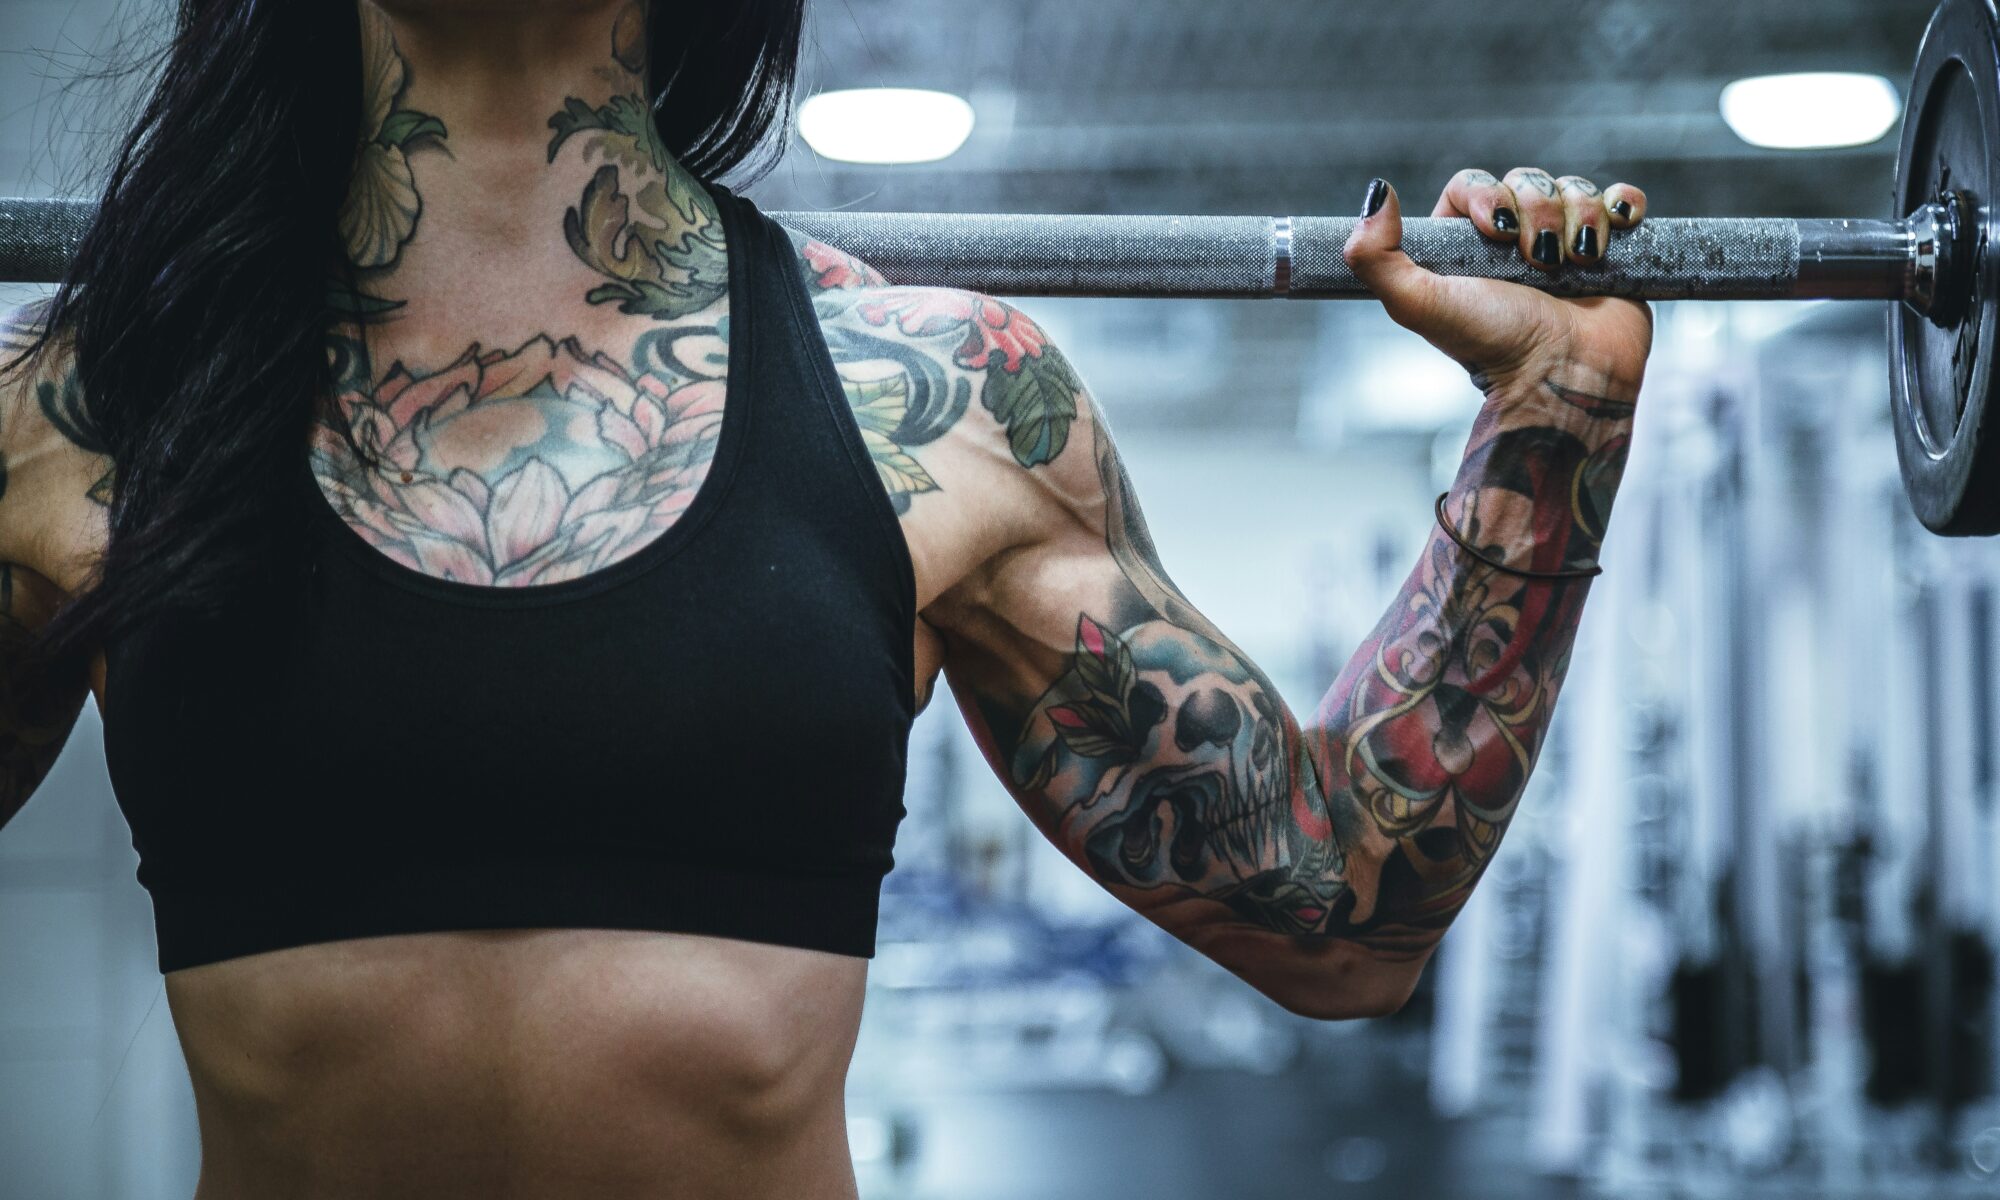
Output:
x=837 y=270
x=990 y=326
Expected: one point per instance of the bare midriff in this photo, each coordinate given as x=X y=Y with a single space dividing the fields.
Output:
x=573 y=1063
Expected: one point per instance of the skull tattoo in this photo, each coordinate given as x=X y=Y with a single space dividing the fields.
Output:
x=1179 y=772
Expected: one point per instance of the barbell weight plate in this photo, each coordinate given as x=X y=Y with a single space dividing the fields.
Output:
x=1942 y=377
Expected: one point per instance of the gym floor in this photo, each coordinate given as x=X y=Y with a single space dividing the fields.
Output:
x=1740 y=941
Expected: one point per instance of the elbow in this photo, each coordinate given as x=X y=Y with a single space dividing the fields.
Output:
x=1343 y=991
x=1325 y=979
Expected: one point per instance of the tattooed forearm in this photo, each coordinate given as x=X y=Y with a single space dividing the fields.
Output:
x=1431 y=732
x=1162 y=760
x=33 y=726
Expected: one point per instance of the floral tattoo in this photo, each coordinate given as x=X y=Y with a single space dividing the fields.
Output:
x=1163 y=761
x=929 y=347
x=622 y=455
x=667 y=259
x=383 y=207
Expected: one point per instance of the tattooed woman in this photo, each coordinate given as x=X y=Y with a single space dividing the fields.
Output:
x=507 y=566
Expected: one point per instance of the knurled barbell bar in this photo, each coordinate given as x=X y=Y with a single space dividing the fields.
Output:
x=1935 y=259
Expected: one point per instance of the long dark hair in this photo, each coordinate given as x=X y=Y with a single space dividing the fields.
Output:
x=196 y=306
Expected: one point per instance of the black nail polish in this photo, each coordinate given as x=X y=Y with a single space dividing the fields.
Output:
x=1586 y=242
x=1505 y=221
x=1378 y=194
x=1548 y=248
x=1624 y=210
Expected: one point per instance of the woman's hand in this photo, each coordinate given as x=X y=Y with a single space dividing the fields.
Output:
x=1505 y=334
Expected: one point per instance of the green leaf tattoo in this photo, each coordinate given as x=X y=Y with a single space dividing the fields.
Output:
x=353 y=304
x=1113 y=717
x=880 y=407
x=63 y=407
x=662 y=247
x=382 y=207
x=1037 y=404
x=1030 y=387
x=406 y=126
x=625 y=117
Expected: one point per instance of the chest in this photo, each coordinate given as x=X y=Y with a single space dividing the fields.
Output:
x=519 y=469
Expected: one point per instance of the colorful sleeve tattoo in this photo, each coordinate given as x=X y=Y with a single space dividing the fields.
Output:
x=1157 y=755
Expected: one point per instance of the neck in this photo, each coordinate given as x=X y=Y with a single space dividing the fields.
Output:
x=516 y=138
x=494 y=73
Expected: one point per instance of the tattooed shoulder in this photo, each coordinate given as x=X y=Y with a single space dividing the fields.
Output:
x=46 y=435
x=914 y=360
x=831 y=269
x=21 y=339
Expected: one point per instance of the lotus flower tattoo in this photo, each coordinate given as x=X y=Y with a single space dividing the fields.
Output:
x=530 y=467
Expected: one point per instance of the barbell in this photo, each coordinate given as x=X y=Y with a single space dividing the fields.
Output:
x=1933 y=257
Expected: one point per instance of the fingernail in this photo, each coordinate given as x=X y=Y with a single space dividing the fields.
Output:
x=1624 y=210
x=1505 y=221
x=1586 y=242
x=1548 y=248
x=1378 y=194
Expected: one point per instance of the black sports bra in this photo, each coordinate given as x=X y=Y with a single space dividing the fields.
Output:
x=707 y=736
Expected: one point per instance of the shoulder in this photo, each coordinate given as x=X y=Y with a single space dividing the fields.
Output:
x=54 y=479
x=945 y=363
x=831 y=269
x=22 y=342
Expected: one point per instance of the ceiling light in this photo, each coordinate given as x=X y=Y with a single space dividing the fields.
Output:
x=1816 y=110
x=885 y=125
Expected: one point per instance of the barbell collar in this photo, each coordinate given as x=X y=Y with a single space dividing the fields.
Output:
x=1266 y=257
x=1943 y=259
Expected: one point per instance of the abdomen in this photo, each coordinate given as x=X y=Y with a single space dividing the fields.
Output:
x=581 y=1063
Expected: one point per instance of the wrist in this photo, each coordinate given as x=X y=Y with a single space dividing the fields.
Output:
x=1541 y=472
x=1528 y=565
x=1587 y=399
x=1570 y=356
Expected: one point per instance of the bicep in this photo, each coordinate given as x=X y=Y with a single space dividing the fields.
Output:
x=1141 y=740
x=1154 y=753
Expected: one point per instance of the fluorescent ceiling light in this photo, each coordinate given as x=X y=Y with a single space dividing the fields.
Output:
x=885 y=125
x=1811 y=111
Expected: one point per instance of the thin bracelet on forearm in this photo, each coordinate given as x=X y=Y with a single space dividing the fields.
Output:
x=1445 y=524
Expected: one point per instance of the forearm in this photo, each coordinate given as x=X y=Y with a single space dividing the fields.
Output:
x=1424 y=744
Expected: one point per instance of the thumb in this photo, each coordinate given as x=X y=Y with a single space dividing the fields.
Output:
x=1374 y=252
